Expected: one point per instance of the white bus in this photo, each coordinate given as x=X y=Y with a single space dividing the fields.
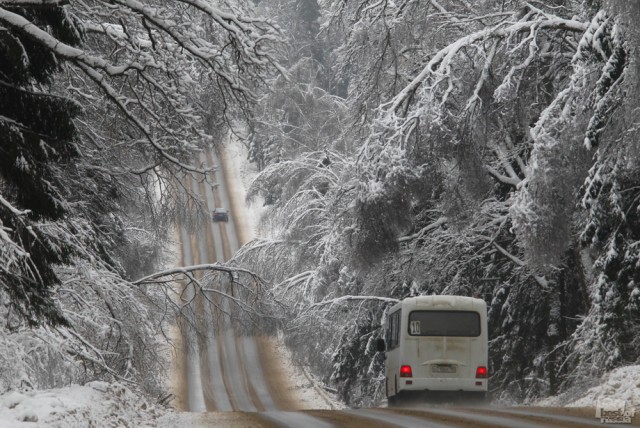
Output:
x=436 y=343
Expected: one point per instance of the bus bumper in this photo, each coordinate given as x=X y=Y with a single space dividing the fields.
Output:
x=442 y=384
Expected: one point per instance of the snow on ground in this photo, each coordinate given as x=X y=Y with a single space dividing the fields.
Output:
x=242 y=173
x=103 y=404
x=622 y=383
x=308 y=390
x=98 y=404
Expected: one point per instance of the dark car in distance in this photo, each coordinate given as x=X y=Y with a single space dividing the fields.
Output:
x=220 y=214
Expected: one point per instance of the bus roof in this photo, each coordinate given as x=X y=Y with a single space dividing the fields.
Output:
x=443 y=302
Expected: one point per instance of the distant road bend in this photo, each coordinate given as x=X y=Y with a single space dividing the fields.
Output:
x=233 y=380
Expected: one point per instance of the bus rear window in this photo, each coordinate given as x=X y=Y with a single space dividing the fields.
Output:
x=444 y=323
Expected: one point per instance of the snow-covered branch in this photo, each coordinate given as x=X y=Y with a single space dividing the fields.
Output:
x=11 y=208
x=421 y=232
x=154 y=277
x=436 y=76
x=541 y=280
x=164 y=57
x=32 y=3
x=513 y=181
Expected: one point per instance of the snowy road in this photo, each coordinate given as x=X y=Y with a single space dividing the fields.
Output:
x=433 y=417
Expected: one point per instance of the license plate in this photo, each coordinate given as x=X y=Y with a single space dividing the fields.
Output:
x=443 y=368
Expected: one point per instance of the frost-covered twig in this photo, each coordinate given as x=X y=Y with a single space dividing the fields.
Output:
x=154 y=277
x=154 y=42
x=32 y=3
x=421 y=232
x=344 y=299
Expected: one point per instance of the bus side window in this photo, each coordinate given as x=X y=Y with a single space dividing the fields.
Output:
x=393 y=332
x=387 y=335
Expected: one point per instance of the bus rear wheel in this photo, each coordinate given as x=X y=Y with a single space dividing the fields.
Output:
x=392 y=401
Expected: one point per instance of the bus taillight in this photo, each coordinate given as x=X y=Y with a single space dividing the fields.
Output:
x=405 y=371
x=482 y=373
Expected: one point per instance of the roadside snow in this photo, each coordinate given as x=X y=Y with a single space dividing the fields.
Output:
x=622 y=383
x=308 y=390
x=99 y=404
x=241 y=174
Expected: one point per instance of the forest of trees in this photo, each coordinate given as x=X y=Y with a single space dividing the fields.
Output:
x=479 y=148
x=483 y=148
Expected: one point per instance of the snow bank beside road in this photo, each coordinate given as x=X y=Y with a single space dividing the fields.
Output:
x=622 y=383
x=98 y=404
x=307 y=389
x=239 y=173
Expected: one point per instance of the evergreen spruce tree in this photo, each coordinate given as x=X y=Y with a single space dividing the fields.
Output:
x=36 y=138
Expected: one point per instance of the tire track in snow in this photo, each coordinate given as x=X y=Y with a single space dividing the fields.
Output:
x=256 y=372
x=250 y=367
x=252 y=372
x=247 y=380
x=498 y=417
x=195 y=397
x=551 y=418
x=394 y=419
x=256 y=379
x=199 y=255
x=220 y=200
x=284 y=419
x=239 y=389
x=215 y=391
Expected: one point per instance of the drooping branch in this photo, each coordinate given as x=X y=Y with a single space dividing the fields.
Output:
x=163 y=113
x=541 y=280
x=154 y=277
x=421 y=232
x=436 y=76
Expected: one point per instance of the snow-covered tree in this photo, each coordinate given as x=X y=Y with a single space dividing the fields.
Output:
x=37 y=138
x=102 y=107
x=301 y=112
x=486 y=144
x=607 y=213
